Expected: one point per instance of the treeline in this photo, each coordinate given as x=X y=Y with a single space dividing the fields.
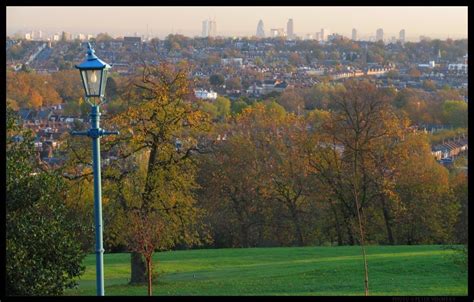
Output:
x=268 y=177
x=280 y=179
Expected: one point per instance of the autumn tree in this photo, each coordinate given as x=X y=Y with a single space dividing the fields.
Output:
x=427 y=212
x=161 y=128
x=231 y=182
x=342 y=157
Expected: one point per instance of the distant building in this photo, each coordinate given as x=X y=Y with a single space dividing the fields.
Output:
x=232 y=61
x=132 y=41
x=209 y=28
x=277 y=32
x=379 y=35
x=260 y=30
x=324 y=34
x=66 y=36
x=458 y=68
x=289 y=29
x=81 y=37
x=212 y=28
x=354 y=34
x=402 y=36
x=205 y=95
x=334 y=36
x=205 y=28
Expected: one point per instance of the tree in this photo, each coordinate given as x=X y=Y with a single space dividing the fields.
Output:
x=161 y=129
x=238 y=106
x=223 y=107
x=144 y=236
x=216 y=80
x=43 y=256
x=292 y=101
x=455 y=113
x=233 y=83
x=414 y=72
x=343 y=156
x=103 y=37
x=210 y=109
x=427 y=213
x=36 y=99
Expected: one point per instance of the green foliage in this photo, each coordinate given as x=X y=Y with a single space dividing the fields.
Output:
x=43 y=256
x=209 y=108
x=222 y=105
x=277 y=108
x=238 y=106
x=446 y=134
x=455 y=113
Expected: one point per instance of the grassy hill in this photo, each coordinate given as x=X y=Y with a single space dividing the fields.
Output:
x=393 y=270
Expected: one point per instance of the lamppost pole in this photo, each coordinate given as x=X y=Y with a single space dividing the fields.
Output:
x=99 y=249
x=94 y=76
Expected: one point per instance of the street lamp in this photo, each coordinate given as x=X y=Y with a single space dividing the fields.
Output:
x=94 y=77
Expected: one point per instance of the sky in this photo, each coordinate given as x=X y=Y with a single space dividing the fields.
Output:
x=435 y=22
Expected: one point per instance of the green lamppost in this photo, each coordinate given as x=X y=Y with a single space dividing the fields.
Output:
x=94 y=77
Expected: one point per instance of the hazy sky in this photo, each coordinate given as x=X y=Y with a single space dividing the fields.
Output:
x=436 y=22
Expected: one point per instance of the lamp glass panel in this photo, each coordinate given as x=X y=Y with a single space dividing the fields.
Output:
x=104 y=81
x=92 y=82
x=84 y=82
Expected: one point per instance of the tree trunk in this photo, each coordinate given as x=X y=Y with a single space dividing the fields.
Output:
x=338 y=227
x=299 y=233
x=387 y=219
x=150 y=276
x=244 y=235
x=349 y=230
x=139 y=267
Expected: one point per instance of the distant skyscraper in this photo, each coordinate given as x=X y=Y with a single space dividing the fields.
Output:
x=289 y=29
x=324 y=34
x=209 y=28
x=402 y=36
x=260 y=30
x=212 y=28
x=379 y=35
x=205 y=28
x=354 y=34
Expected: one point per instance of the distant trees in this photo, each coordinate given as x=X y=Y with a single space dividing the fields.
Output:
x=216 y=80
x=455 y=113
x=31 y=90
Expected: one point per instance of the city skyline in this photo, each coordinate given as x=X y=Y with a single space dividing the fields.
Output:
x=161 y=21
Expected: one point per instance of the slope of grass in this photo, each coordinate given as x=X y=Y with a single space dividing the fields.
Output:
x=393 y=270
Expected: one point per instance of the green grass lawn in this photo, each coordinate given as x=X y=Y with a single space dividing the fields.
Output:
x=393 y=270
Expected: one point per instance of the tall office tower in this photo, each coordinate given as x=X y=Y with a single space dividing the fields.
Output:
x=354 y=34
x=205 y=28
x=260 y=30
x=289 y=29
x=212 y=28
x=324 y=34
x=402 y=36
x=379 y=35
